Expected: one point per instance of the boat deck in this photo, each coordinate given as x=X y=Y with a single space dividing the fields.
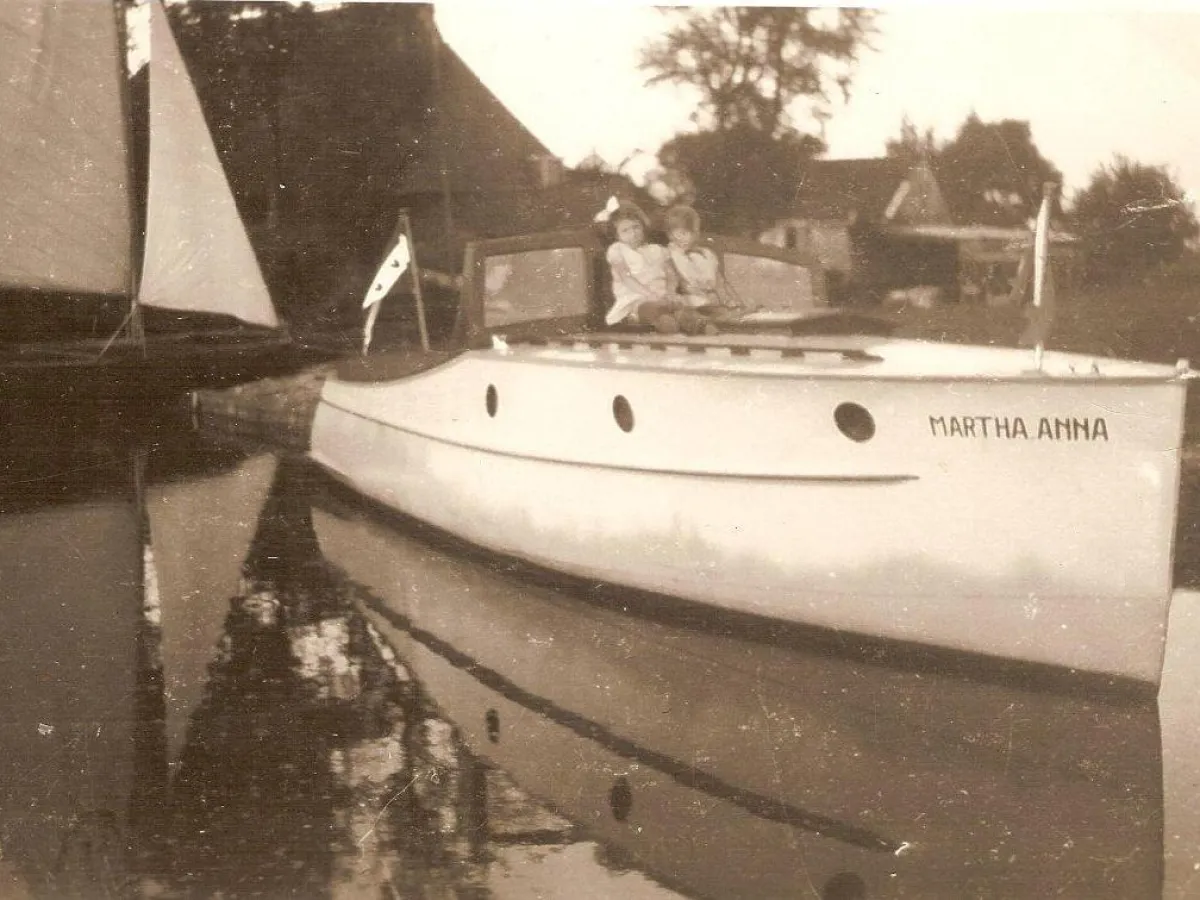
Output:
x=826 y=356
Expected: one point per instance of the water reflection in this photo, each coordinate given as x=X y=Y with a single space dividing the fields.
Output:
x=221 y=675
x=730 y=768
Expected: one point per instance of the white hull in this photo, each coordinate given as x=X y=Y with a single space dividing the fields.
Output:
x=1021 y=515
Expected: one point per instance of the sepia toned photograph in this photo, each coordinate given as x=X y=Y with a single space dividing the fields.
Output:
x=529 y=450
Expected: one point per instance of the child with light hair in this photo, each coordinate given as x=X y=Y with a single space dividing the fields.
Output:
x=696 y=269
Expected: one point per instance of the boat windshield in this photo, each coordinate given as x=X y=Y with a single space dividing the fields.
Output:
x=534 y=285
x=769 y=284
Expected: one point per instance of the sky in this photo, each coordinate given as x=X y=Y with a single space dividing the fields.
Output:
x=1092 y=80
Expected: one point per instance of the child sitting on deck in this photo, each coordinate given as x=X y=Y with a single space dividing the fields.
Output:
x=696 y=268
x=642 y=282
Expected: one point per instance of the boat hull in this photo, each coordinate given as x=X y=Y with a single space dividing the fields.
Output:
x=165 y=367
x=1029 y=518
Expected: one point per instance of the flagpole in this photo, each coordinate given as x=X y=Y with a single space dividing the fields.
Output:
x=416 y=279
x=1041 y=246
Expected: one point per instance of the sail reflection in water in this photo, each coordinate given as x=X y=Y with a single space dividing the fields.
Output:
x=85 y=718
x=730 y=768
x=189 y=706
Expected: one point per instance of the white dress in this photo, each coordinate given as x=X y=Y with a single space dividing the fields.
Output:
x=648 y=266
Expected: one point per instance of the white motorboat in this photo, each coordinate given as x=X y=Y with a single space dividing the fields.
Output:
x=988 y=500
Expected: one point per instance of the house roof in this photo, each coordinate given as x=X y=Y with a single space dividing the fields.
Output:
x=474 y=135
x=839 y=189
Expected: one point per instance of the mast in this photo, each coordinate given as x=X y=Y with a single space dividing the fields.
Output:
x=135 y=162
x=1041 y=248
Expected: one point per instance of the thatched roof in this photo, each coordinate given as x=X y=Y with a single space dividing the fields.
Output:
x=843 y=189
x=482 y=145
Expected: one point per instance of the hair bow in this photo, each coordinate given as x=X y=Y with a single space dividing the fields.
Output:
x=610 y=207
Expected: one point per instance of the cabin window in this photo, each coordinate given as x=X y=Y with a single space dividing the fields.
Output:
x=533 y=285
x=771 y=284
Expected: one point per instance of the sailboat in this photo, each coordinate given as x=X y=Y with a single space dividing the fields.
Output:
x=1000 y=504
x=85 y=234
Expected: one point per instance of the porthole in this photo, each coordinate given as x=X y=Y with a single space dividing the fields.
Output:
x=623 y=413
x=854 y=422
x=620 y=799
x=492 y=720
x=492 y=400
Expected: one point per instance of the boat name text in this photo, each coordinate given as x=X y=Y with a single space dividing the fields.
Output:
x=1017 y=428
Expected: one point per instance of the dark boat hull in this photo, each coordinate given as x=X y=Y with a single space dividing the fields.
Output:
x=164 y=368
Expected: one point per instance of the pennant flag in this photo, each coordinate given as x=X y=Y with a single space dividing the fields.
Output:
x=389 y=273
x=1036 y=262
x=394 y=265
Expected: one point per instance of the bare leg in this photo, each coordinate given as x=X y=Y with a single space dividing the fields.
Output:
x=660 y=314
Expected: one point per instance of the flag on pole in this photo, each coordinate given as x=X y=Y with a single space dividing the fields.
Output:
x=1035 y=262
x=1039 y=316
x=394 y=265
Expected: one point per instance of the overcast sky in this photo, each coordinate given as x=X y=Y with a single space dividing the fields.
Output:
x=1092 y=80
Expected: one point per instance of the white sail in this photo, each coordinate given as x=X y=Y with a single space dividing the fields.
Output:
x=65 y=213
x=198 y=255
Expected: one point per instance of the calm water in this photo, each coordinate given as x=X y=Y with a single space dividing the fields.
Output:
x=223 y=676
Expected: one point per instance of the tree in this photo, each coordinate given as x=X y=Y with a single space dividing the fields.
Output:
x=1132 y=217
x=912 y=146
x=743 y=178
x=751 y=63
x=311 y=109
x=992 y=173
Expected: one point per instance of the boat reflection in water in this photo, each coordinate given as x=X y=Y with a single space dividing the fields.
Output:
x=194 y=702
x=726 y=766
